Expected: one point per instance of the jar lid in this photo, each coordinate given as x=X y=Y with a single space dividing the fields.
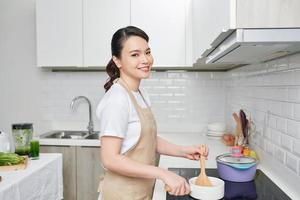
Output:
x=22 y=126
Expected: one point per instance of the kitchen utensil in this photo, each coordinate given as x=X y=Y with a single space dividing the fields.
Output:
x=244 y=126
x=238 y=129
x=216 y=191
x=202 y=179
x=236 y=169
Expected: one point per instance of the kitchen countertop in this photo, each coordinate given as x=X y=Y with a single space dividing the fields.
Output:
x=70 y=142
x=216 y=147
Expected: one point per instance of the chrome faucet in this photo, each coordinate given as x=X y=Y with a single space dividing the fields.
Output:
x=90 y=126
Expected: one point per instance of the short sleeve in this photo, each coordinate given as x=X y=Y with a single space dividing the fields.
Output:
x=114 y=116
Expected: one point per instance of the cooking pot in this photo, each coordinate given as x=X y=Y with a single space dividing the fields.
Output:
x=236 y=169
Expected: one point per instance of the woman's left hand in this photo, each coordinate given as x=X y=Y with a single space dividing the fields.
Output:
x=194 y=152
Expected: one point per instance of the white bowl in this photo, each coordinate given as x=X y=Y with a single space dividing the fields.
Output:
x=216 y=191
x=216 y=126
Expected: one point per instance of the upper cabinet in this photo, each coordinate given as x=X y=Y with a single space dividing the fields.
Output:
x=244 y=31
x=101 y=18
x=166 y=24
x=77 y=33
x=59 y=32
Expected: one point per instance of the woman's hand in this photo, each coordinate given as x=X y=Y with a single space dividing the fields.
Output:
x=194 y=152
x=175 y=185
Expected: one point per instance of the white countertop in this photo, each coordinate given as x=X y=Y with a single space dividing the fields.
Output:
x=70 y=142
x=42 y=179
x=216 y=147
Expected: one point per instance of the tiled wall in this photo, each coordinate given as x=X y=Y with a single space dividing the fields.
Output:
x=181 y=101
x=270 y=92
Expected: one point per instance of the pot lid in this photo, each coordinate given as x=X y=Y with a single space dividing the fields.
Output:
x=227 y=158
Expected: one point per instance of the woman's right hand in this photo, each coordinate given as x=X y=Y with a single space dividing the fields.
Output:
x=176 y=185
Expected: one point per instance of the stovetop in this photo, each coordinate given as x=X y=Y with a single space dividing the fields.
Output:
x=261 y=188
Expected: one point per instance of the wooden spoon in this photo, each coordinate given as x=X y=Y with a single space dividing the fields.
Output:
x=202 y=179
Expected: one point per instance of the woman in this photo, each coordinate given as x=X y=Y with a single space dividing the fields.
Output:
x=128 y=130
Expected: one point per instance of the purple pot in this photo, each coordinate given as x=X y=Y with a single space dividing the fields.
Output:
x=229 y=172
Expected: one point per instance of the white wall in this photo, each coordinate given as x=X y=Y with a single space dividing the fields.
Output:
x=20 y=79
x=270 y=92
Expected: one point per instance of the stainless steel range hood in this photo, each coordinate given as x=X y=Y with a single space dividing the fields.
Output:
x=248 y=46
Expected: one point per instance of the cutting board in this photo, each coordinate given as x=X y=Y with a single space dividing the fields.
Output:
x=15 y=167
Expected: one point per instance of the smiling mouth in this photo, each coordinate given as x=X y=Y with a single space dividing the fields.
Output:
x=144 y=68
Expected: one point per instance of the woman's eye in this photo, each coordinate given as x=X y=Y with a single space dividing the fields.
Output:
x=148 y=53
x=134 y=55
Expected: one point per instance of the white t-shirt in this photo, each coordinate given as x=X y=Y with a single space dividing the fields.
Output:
x=118 y=116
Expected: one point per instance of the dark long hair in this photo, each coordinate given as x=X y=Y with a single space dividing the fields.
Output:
x=117 y=41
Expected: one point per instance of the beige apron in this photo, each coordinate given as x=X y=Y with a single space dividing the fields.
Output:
x=119 y=187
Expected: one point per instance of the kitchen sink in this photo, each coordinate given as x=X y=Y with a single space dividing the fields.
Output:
x=94 y=136
x=63 y=134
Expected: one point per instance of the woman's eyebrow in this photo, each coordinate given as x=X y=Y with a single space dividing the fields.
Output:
x=137 y=50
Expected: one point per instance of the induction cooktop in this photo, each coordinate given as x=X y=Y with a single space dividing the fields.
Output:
x=261 y=188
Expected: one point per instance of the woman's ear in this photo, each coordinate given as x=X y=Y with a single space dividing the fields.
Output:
x=117 y=61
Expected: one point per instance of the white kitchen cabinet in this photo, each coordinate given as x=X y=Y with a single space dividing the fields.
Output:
x=59 y=32
x=166 y=24
x=77 y=33
x=214 y=19
x=209 y=19
x=101 y=18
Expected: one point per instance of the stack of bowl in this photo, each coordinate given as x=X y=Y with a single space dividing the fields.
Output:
x=216 y=129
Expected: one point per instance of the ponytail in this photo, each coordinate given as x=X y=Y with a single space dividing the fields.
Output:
x=113 y=73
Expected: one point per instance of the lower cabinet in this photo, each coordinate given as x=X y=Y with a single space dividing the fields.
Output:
x=81 y=170
x=89 y=172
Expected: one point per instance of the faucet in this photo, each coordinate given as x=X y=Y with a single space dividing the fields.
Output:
x=90 y=126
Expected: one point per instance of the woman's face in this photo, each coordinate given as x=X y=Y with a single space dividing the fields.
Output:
x=136 y=59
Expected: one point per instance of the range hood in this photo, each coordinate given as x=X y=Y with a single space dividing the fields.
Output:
x=247 y=46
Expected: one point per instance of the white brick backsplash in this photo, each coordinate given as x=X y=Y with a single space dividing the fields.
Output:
x=296 y=147
x=293 y=128
x=294 y=94
x=279 y=154
x=292 y=162
x=194 y=98
x=287 y=142
x=276 y=136
x=269 y=148
x=272 y=122
x=281 y=124
x=287 y=110
x=297 y=111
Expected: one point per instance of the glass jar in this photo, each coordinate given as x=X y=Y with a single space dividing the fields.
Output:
x=22 y=134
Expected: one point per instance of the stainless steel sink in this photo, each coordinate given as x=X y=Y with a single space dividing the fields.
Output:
x=64 y=134
x=94 y=136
